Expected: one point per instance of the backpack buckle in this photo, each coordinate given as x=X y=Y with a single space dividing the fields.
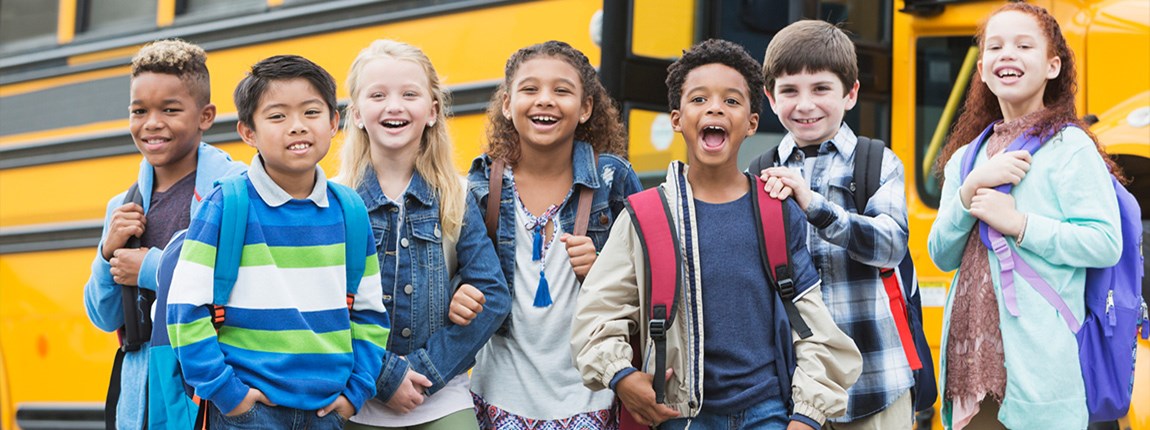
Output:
x=786 y=285
x=657 y=329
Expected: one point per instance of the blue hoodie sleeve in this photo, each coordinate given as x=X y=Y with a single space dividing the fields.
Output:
x=101 y=293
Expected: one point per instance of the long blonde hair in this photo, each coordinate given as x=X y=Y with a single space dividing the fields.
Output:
x=434 y=162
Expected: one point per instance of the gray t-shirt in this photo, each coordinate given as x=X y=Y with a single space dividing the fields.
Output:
x=169 y=212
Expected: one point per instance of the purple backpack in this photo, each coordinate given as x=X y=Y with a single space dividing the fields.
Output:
x=1107 y=338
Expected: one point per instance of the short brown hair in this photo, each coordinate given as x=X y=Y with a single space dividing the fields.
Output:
x=811 y=46
x=178 y=58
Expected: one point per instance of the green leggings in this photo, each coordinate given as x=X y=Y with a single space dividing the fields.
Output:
x=464 y=419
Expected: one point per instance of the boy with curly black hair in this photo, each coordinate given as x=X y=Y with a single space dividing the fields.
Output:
x=718 y=372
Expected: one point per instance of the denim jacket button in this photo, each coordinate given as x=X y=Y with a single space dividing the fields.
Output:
x=403 y=242
x=408 y=289
x=603 y=220
x=406 y=332
x=394 y=209
x=437 y=233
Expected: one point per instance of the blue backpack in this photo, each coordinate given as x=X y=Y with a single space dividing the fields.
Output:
x=1108 y=336
x=172 y=403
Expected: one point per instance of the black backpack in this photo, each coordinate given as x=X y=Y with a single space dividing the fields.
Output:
x=866 y=179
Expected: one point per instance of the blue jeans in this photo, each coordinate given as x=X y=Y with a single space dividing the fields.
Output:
x=264 y=417
x=770 y=414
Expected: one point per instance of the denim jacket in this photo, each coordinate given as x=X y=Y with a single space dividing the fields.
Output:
x=613 y=183
x=417 y=290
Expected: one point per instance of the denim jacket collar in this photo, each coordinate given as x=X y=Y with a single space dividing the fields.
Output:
x=844 y=142
x=373 y=195
x=585 y=165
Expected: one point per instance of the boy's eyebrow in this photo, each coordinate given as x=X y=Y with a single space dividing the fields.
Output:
x=165 y=101
x=725 y=90
x=286 y=105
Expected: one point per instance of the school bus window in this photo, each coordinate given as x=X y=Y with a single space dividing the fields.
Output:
x=26 y=24
x=186 y=9
x=864 y=19
x=939 y=60
x=105 y=17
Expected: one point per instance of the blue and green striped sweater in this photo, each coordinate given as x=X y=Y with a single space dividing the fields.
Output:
x=288 y=332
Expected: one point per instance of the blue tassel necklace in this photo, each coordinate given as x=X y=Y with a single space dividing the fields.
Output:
x=537 y=226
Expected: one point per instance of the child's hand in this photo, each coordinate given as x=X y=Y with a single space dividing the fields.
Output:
x=249 y=401
x=783 y=182
x=341 y=406
x=581 y=251
x=466 y=304
x=410 y=392
x=997 y=210
x=798 y=425
x=637 y=394
x=126 y=265
x=127 y=221
x=1004 y=168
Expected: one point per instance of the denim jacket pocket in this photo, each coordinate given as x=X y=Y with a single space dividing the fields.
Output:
x=430 y=269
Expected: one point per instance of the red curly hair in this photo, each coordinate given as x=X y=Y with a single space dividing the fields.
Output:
x=981 y=107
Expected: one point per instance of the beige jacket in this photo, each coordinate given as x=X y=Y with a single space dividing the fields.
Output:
x=610 y=308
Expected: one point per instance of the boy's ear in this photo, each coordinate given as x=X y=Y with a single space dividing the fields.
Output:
x=335 y=123
x=207 y=117
x=246 y=133
x=771 y=100
x=754 y=120
x=676 y=116
x=852 y=96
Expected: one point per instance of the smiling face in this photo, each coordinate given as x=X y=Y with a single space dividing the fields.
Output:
x=811 y=105
x=1016 y=62
x=394 y=104
x=714 y=115
x=546 y=103
x=166 y=122
x=292 y=129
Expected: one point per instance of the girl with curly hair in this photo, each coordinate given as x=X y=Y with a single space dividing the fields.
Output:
x=553 y=132
x=1019 y=368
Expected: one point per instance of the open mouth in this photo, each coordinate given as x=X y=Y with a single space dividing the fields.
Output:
x=299 y=146
x=1008 y=73
x=395 y=124
x=714 y=136
x=544 y=119
x=807 y=121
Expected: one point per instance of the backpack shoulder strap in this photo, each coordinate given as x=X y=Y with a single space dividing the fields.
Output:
x=494 y=195
x=774 y=253
x=233 y=228
x=583 y=210
x=971 y=155
x=867 y=170
x=355 y=223
x=769 y=158
x=660 y=242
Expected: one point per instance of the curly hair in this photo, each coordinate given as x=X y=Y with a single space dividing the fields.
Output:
x=603 y=130
x=715 y=51
x=982 y=108
x=178 y=58
x=812 y=46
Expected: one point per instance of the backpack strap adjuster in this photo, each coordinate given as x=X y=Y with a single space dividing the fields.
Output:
x=786 y=285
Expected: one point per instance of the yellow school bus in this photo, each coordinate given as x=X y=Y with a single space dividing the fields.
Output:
x=64 y=147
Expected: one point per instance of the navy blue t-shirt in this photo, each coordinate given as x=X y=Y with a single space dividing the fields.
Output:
x=740 y=351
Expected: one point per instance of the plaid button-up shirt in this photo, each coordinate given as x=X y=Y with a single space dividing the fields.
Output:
x=848 y=248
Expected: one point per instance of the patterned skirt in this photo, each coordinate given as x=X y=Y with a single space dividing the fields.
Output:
x=491 y=417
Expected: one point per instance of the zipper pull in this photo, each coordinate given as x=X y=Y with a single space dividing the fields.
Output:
x=1145 y=321
x=1111 y=316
